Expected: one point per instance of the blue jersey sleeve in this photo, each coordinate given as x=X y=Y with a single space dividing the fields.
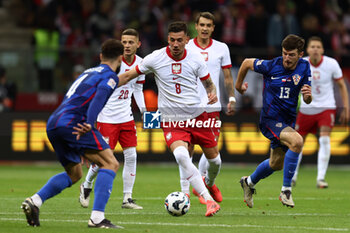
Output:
x=262 y=66
x=307 y=77
x=103 y=92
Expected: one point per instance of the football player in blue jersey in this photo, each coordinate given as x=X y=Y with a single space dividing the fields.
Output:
x=72 y=133
x=284 y=78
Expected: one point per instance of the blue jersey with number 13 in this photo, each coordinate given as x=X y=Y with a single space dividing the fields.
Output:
x=282 y=88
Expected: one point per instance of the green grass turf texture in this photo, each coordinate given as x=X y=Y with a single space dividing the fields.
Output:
x=326 y=210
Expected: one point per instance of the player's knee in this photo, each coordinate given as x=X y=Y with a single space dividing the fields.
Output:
x=114 y=165
x=297 y=144
x=130 y=155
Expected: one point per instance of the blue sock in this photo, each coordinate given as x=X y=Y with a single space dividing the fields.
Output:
x=54 y=186
x=262 y=171
x=290 y=164
x=103 y=188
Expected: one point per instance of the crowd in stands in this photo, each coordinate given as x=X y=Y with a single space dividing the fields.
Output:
x=255 y=25
x=249 y=23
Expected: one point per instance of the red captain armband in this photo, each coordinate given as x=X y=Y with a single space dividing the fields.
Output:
x=138 y=70
x=205 y=77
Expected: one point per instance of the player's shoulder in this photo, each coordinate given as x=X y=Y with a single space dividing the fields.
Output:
x=220 y=44
x=330 y=60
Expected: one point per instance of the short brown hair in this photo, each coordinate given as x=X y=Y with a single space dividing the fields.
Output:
x=112 y=49
x=314 y=38
x=206 y=15
x=130 y=32
x=292 y=42
x=178 y=26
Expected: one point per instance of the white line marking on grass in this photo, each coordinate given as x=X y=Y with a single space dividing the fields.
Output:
x=232 y=213
x=226 y=198
x=191 y=224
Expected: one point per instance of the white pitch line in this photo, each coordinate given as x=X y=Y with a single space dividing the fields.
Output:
x=193 y=225
x=144 y=212
x=225 y=198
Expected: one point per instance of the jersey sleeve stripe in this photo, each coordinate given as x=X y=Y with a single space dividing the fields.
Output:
x=338 y=79
x=141 y=82
x=226 y=67
x=138 y=70
x=205 y=77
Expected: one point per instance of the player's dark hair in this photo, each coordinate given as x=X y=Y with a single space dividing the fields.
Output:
x=112 y=49
x=292 y=42
x=178 y=26
x=314 y=38
x=206 y=15
x=130 y=32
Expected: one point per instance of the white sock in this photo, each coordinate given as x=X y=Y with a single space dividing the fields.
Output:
x=129 y=170
x=213 y=170
x=97 y=216
x=203 y=165
x=37 y=200
x=92 y=173
x=324 y=154
x=286 y=188
x=190 y=171
x=184 y=183
x=250 y=183
x=298 y=166
x=126 y=197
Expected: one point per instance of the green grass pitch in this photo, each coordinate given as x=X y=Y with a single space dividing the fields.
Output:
x=326 y=210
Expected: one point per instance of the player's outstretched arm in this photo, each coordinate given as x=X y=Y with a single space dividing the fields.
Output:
x=306 y=91
x=345 y=114
x=127 y=76
x=247 y=64
x=211 y=90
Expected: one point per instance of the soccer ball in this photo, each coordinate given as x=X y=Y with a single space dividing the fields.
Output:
x=177 y=203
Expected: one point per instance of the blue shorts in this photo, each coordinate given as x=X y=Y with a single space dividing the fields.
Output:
x=271 y=129
x=68 y=149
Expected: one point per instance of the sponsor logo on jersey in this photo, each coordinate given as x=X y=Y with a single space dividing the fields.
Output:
x=296 y=79
x=111 y=83
x=176 y=68
x=205 y=56
x=151 y=120
x=279 y=125
x=258 y=63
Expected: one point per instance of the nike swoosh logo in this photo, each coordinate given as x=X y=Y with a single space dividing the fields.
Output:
x=275 y=77
x=175 y=78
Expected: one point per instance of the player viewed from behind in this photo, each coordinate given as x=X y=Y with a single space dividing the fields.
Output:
x=217 y=56
x=116 y=123
x=176 y=72
x=320 y=114
x=284 y=78
x=71 y=132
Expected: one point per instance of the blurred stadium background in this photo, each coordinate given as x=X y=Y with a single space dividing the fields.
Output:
x=39 y=71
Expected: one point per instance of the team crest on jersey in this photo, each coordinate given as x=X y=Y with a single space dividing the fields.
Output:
x=205 y=56
x=176 y=68
x=296 y=79
x=316 y=75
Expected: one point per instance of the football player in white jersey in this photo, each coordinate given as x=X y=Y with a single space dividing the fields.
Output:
x=183 y=118
x=116 y=123
x=320 y=114
x=217 y=56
